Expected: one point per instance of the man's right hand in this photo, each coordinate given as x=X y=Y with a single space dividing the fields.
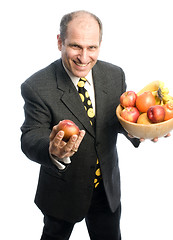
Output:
x=61 y=149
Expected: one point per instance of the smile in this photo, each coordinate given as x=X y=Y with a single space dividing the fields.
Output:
x=80 y=64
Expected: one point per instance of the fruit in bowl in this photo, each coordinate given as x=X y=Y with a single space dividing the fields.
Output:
x=143 y=119
x=128 y=99
x=146 y=131
x=130 y=114
x=156 y=114
x=155 y=108
x=145 y=100
x=168 y=110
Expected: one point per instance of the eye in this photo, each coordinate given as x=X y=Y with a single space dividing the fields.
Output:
x=75 y=46
x=92 y=47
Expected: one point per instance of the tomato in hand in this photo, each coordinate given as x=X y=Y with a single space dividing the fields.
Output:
x=144 y=101
x=168 y=110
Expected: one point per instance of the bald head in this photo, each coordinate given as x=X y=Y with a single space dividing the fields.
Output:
x=84 y=16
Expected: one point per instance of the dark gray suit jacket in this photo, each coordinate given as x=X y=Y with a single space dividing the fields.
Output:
x=50 y=96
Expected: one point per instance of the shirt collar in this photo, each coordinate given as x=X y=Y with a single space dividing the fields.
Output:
x=76 y=79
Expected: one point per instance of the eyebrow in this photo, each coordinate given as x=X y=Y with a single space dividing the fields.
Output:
x=76 y=44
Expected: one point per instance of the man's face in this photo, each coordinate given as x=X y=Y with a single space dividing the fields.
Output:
x=81 y=47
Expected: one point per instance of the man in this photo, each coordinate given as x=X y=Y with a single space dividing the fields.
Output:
x=66 y=191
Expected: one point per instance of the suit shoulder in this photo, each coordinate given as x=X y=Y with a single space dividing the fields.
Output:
x=108 y=66
x=109 y=70
x=112 y=75
x=43 y=77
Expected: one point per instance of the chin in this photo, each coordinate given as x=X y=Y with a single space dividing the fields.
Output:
x=80 y=74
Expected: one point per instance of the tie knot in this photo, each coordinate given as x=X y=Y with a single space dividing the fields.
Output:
x=81 y=82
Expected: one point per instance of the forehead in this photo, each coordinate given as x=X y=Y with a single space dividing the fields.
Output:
x=84 y=29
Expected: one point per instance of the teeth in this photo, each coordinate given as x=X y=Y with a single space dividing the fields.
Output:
x=81 y=65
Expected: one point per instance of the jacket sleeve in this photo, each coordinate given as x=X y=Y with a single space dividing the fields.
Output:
x=36 y=127
x=134 y=141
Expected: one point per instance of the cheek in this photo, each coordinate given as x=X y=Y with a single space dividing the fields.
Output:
x=94 y=56
x=68 y=56
x=65 y=56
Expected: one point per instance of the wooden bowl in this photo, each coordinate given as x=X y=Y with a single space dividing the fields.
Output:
x=145 y=131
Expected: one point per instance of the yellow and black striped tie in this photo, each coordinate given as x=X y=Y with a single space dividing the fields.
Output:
x=90 y=112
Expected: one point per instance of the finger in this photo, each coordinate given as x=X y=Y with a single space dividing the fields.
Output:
x=131 y=136
x=155 y=140
x=69 y=146
x=75 y=145
x=56 y=143
x=79 y=140
x=53 y=132
x=142 y=139
x=58 y=137
x=168 y=135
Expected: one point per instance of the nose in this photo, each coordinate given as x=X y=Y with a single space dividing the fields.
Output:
x=83 y=56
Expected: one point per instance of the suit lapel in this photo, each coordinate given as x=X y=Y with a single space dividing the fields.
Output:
x=71 y=98
x=100 y=94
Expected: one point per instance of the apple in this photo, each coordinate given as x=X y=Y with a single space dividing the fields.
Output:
x=156 y=113
x=130 y=114
x=69 y=128
x=128 y=99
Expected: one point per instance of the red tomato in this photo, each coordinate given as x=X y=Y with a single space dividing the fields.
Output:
x=168 y=110
x=144 y=101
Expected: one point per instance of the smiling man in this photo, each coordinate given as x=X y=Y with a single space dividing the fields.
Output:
x=79 y=179
x=80 y=48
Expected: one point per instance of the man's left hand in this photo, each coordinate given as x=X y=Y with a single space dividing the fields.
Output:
x=155 y=139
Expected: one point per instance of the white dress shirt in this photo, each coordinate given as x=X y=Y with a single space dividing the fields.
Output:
x=89 y=86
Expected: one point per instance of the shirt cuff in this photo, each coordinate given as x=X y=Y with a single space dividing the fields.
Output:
x=60 y=162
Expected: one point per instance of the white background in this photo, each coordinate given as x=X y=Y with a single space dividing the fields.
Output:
x=138 y=37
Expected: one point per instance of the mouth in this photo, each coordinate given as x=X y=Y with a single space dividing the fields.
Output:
x=81 y=64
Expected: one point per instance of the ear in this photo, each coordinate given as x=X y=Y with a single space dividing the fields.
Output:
x=59 y=42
